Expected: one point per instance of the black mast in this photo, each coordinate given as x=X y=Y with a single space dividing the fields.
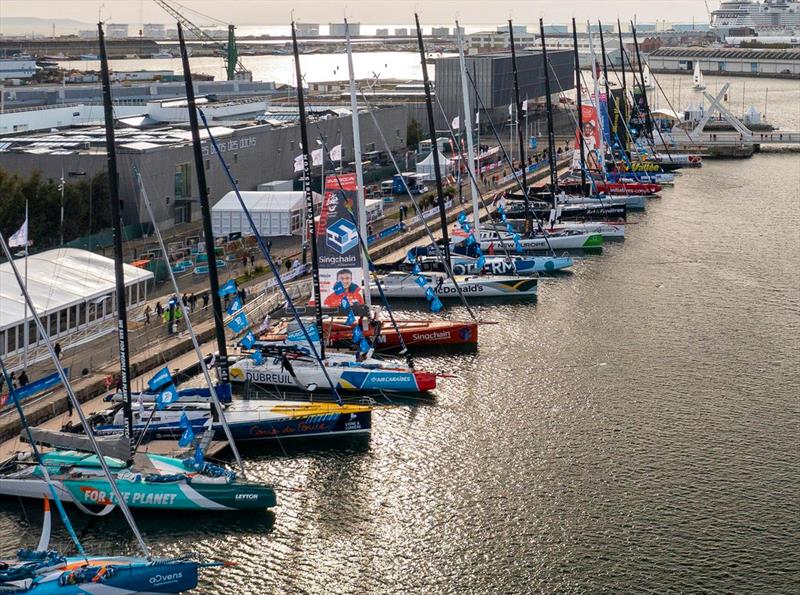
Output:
x=205 y=208
x=624 y=112
x=520 y=133
x=116 y=222
x=582 y=148
x=301 y=106
x=434 y=146
x=551 y=137
x=648 y=121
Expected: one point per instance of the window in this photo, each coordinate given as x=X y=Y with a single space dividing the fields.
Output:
x=183 y=180
x=12 y=339
x=754 y=67
x=2 y=342
x=53 y=325
x=296 y=221
x=720 y=66
x=82 y=314
x=62 y=321
x=73 y=317
x=33 y=332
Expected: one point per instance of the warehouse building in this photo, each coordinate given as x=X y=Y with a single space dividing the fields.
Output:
x=494 y=80
x=784 y=63
x=258 y=147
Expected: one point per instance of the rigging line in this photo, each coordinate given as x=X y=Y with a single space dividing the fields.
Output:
x=514 y=173
x=267 y=256
x=86 y=427
x=211 y=387
x=36 y=453
x=469 y=172
x=365 y=251
x=439 y=255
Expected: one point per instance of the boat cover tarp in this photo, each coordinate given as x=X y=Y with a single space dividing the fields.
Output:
x=117 y=446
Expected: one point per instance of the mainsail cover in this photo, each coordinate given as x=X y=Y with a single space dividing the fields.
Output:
x=116 y=446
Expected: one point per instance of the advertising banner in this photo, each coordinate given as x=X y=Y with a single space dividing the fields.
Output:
x=591 y=138
x=338 y=246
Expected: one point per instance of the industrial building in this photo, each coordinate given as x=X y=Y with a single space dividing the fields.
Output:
x=154 y=31
x=307 y=29
x=117 y=30
x=340 y=29
x=440 y=31
x=784 y=63
x=259 y=146
x=494 y=79
x=497 y=41
x=73 y=293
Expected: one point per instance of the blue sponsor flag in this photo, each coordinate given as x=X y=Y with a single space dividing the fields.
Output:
x=338 y=288
x=421 y=281
x=358 y=334
x=187 y=437
x=518 y=245
x=509 y=228
x=466 y=227
x=257 y=357
x=462 y=217
x=297 y=336
x=160 y=378
x=199 y=461
x=470 y=240
x=167 y=396
x=351 y=318
x=364 y=345
x=229 y=288
x=416 y=270
x=411 y=257
x=238 y=323
x=478 y=250
x=436 y=305
x=481 y=262
x=429 y=293
x=235 y=305
x=248 y=340
x=345 y=304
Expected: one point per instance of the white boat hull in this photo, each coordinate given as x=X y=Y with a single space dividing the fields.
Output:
x=401 y=285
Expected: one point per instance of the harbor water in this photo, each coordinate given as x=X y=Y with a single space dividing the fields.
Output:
x=634 y=430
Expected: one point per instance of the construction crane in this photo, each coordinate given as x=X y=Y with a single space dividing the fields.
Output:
x=234 y=68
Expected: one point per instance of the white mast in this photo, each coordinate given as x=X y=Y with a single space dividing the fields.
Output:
x=360 y=202
x=471 y=155
x=26 y=334
x=601 y=158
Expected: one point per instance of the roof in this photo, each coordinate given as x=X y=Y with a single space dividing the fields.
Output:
x=667 y=113
x=60 y=278
x=729 y=53
x=263 y=201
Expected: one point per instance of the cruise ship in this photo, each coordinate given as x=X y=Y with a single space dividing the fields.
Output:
x=770 y=17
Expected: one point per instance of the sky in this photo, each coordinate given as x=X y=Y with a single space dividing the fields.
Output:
x=279 y=12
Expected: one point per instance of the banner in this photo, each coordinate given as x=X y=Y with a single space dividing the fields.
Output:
x=591 y=138
x=338 y=246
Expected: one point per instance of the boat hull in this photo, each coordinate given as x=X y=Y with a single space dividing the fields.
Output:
x=414 y=333
x=577 y=241
x=471 y=287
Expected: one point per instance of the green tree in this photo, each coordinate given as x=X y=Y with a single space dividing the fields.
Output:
x=413 y=133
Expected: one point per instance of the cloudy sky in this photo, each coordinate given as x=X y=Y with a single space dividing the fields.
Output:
x=278 y=12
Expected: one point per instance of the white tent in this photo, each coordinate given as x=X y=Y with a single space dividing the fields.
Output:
x=274 y=213
x=71 y=290
x=425 y=167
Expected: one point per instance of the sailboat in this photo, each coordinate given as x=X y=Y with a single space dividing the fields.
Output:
x=698 y=82
x=145 y=480
x=45 y=571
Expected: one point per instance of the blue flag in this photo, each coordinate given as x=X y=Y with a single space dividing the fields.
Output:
x=248 y=340
x=462 y=217
x=364 y=345
x=509 y=228
x=235 y=305
x=257 y=357
x=351 y=318
x=199 y=461
x=358 y=334
x=481 y=262
x=229 y=288
x=187 y=437
x=436 y=305
x=416 y=270
x=345 y=304
x=429 y=293
x=518 y=245
x=338 y=288
x=466 y=227
x=411 y=257
x=421 y=281
x=167 y=396
x=160 y=378
x=238 y=323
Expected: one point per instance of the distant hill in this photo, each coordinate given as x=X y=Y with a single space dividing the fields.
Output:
x=21 y=25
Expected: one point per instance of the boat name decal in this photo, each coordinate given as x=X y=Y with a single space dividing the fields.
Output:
x=97 y=496
x=160 y=579
x=445 y=289
x=433 y=336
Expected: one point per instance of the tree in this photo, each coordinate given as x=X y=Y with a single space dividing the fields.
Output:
x=413 y=133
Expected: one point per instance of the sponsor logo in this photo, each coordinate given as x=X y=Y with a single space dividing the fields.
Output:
x=465 y=333
x=341 y=236
x=270 y=377
x=101 y=497
x=387 y=379
x=160 y=579
x=246 y=496
x=434 y=336
x=464 y=289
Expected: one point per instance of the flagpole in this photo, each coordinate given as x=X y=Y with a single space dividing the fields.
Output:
x=26 y=333
x=62 y=206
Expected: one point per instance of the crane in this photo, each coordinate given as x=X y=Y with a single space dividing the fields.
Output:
x=233 y=65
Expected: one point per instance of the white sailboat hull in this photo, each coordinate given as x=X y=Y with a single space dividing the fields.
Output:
x=402 y=285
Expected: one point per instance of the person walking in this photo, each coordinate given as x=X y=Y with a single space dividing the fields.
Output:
x=147 y=311
x=159 y=309
x=192 y=302
x=288 y=264
x=69 y=408
x=23 y=379
x=57 y=350
x=205 y=300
